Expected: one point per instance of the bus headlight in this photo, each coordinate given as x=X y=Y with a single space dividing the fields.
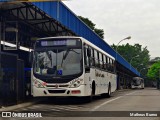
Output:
x=76 y=83
x=38 y=84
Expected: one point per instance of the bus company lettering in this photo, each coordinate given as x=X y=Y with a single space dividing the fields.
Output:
x=99 y=74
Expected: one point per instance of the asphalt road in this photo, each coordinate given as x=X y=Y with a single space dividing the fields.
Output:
x=121 y=106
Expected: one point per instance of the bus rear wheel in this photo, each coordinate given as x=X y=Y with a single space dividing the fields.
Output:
x=108 y=94
x=109 y=91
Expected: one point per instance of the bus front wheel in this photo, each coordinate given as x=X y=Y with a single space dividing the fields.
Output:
x=90 y=98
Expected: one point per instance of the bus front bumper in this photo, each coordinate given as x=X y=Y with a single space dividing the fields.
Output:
x=40 y=92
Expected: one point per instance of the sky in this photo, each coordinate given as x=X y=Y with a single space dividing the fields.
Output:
x=119 y=19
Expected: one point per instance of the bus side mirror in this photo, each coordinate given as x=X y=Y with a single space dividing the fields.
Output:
x=88 y=52
x=87 y=69
x=31 y=57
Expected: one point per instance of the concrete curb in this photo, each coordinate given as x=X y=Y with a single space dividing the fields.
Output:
x=22 y=105
x=123 y=90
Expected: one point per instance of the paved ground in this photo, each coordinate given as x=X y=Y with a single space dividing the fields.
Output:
x=122 y=103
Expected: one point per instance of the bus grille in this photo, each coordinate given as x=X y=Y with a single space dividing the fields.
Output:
x=61 y=85
x=56 y=91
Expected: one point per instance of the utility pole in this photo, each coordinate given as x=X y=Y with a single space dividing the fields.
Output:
x=127 y=38
x=131 y=60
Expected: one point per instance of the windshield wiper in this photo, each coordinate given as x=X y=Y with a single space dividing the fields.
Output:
x=66 y=54
x=49 y=56
x=74 y=51
x=64 y=57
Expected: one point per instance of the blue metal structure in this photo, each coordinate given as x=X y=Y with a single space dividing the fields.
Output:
x=52 y=18
x=65 y=16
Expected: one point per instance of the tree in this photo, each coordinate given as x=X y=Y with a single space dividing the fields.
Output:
x=129 y=52
x=152 y=61
x=156 y=59
x=90 y=24
x=154 y=71
x=100 y=32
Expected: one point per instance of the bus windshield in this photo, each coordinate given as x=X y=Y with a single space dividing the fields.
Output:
x=58 y=61
x=136 y=81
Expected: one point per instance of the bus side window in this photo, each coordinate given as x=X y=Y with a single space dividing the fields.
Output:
x=92 y=60
x=108 y=64
x=100 y=61
x=111 y=65
x=114 y=66
x=86 y=58
x=104 y=62
x=96 y=58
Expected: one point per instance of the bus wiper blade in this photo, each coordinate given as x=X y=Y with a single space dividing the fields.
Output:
x=74 y=51
x=66 y=54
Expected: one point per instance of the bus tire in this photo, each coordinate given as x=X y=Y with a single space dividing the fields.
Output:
x=108 y=94
x=90 y=98
x=109 y=91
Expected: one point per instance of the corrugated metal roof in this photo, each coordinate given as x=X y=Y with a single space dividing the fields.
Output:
x=63 y=14
x=66 y=17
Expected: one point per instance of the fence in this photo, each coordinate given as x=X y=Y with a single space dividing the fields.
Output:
x=11 y=79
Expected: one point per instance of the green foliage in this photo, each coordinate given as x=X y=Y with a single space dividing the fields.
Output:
x=129 y=52
x=154 y=71
x=100 y=32
x=90 y=24
x=156 y=59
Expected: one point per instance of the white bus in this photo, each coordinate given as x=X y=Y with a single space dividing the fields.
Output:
x=137 y=82
x=71 y=66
